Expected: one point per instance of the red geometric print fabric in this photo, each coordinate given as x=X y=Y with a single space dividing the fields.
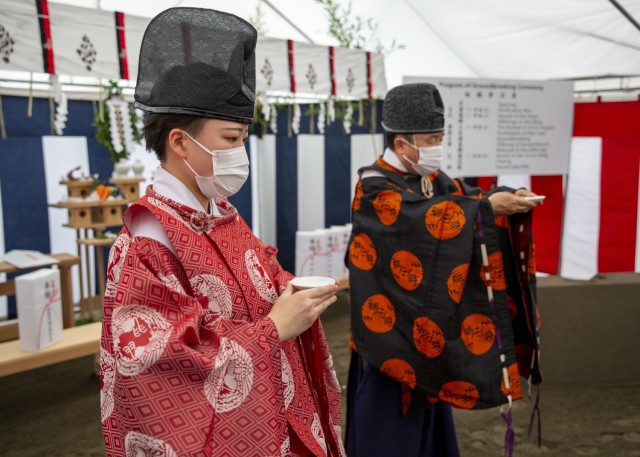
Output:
x=190 y=364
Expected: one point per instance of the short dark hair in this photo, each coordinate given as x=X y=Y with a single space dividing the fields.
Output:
x=391 y=136
x=157 y=128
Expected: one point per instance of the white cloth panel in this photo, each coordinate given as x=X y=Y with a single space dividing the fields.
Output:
x=4 y=312
x=515 y=181
x=84 y=33
x=580 y=231
x=311 y=65
x=351 y=73
x=61 y=154
x=310 y=182
x=272 y=65
x=378 y=76
x=134 y=27
x=254 y=177
x=266 y=150
x=365 y=149
x=20 y=23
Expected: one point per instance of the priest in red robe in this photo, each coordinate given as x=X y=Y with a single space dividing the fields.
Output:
x=207 y=350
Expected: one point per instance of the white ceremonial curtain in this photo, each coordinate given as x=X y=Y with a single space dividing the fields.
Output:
x=86 y=47
x=311 y=66
x=106 y=44
x=20 y=43
x=272 y=65
x=61 y=154
x=351 y=73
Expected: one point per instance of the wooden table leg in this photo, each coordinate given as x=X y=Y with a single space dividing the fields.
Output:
x=66 y=292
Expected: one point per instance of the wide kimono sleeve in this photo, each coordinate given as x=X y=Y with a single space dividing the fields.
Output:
x=175 y=378
x=428 y=300
x=280 y=275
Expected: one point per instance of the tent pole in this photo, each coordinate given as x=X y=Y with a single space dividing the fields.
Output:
x=625 y=13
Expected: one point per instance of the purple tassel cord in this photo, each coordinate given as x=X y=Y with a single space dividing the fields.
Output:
x=509 y=435
x=536 y=412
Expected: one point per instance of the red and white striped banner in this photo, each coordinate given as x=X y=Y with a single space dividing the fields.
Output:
x=590 y=221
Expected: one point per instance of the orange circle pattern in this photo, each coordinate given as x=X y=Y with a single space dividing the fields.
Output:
x=406 y=269
x=515 y=389
x=428 y=337
x=362 y=252
x=355 y=206
x=399 y=370
x=445 y=220
x=387 y=206
x=460 y=394
x=478 y=333
x=502 y=221
x=378 y=314
x=532 y=259
x=457 y=280
x=496 y=273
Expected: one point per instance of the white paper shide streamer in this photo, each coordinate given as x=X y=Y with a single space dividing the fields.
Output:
x=60 y=119
x=348 y=117
x=120 y=125
x=295 y=120
x=321 y=119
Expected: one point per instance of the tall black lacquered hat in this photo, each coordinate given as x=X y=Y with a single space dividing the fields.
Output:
x=413 y=108
x=200 y=62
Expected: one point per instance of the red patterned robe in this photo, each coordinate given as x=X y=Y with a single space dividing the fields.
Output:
x=190 y=364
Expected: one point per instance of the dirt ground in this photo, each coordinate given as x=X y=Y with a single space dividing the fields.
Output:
x=54 y=411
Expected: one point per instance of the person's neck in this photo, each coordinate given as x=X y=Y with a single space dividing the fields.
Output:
x=188 y=179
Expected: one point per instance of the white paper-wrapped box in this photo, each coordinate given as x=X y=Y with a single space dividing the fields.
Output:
x=312 y=253
x=39 y=309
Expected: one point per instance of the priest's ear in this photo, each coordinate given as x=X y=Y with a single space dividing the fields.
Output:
x=158 y=127
x=176 y=143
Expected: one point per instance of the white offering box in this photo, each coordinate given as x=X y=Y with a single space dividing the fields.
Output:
x=39 y=309
x=312 y=253
x=338 y=242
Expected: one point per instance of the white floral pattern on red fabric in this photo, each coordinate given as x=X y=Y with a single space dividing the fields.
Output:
x=202 y=222
x=330 y=376
x=172 y=282
x=287 y=380
x=107 y=376
x=140 y=445
x=285 y=448
x=343 y=451
x=259 y=277
x=231 y=379
x=217 y=293
x=117 y=254
x=140 y=335
x=318 y=434
x=168 y=209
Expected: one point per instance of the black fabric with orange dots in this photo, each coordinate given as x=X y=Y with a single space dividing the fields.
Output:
x=425 y=309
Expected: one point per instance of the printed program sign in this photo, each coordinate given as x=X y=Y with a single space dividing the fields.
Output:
x=505 y=127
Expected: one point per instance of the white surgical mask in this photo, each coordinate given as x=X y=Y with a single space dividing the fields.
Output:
x=230 y=171
x=429 y=158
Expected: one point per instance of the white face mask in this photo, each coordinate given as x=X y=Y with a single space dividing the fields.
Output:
x=429 y=158
x=230 y=171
